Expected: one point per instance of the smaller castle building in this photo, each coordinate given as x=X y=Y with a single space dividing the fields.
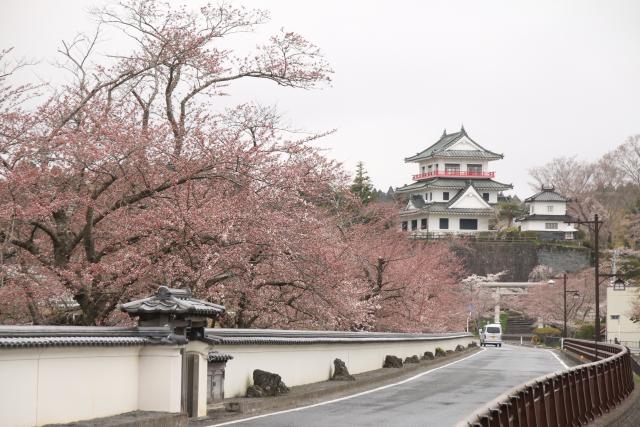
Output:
x=547 y=215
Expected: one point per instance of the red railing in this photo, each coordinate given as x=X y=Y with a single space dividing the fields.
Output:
x=566 y=398
x=454 y=174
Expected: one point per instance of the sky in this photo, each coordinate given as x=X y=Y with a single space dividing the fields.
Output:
x=533 y=80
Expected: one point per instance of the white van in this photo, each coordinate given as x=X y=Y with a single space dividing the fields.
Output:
x=491 y=334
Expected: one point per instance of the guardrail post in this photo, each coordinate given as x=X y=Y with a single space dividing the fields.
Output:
x=543 y=407
x=589 y=372
x=553 y=403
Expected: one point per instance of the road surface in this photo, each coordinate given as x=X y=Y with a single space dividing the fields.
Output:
x=440 y=397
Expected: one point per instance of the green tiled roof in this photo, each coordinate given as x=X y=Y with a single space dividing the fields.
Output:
x=548 y=194
x=438 y=149
x=456 y=184
x=435 y=208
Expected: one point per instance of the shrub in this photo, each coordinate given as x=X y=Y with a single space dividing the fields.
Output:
x=586 y=331
x=440 y=352
x=510 y=232
x=547 y=330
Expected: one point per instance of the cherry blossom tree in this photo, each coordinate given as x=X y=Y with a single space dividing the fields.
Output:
x=546 y=300
x=411 y=285
x=128 y=177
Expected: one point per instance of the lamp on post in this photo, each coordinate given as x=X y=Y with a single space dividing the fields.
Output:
x=619 y=284
x=575 y=294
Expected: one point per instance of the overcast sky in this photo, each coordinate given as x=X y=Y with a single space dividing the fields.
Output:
x=532 y=80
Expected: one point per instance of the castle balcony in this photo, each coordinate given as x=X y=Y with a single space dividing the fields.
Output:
x=454 y=174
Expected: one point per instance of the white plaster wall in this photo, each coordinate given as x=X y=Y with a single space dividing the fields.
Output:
x=64 y=384
x=309 y=363
x=540 y=208
x=454 y=224
x=619 y=302
x=534 y=225
x=160 y=379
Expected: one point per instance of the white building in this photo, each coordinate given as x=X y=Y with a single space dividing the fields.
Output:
x=453 y=191
x=619 y=323
x=547 y=215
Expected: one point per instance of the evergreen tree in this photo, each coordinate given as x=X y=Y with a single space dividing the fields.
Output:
x=508 y=210
x=361 y=186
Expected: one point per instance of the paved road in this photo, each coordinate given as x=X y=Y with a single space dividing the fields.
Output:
x=439 y=398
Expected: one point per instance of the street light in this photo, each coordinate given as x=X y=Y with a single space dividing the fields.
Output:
x=619 y=284
x=575 y=293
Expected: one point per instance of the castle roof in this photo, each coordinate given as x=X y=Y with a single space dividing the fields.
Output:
x=449 y=207
x=453 y=184
x=440 y=149
x=548 y=194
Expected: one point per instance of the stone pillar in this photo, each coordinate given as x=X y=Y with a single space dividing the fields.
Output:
x=195 y=385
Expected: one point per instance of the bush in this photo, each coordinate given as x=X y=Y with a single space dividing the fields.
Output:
x=547 y=330
x=586 y=331
x=510 y=232
x=440 y=352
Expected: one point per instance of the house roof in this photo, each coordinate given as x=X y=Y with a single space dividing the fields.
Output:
x=172 y=301
x=454 y=184
x=547 y=194
x=447 y=140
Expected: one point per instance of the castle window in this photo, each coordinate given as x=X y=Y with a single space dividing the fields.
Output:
x=474 y=169
x=445 y=195
x=549 y=208
x=444 y=223
x=551 y=225
x=414 y=224
x=423 y=224
x=451 y=169
x=468 y=224
x=404 y=225
x=485 y=196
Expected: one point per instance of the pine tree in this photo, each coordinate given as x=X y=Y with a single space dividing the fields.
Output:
x=361 y=186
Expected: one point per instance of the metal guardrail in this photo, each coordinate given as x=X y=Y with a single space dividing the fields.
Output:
x=566 y=398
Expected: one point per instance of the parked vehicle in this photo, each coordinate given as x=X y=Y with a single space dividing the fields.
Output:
x=491 y=334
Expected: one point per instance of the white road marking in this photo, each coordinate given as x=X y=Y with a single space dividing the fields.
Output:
x=347 y=397
x=559 y=360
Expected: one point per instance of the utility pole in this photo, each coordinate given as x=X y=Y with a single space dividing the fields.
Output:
x=564 y=296
x=596 y=234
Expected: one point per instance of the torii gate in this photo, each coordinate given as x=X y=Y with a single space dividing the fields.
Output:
x=508 y=288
